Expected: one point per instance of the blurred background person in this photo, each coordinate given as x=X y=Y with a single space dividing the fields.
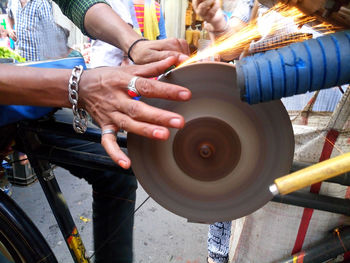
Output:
x=62 y=41
x=32 y=27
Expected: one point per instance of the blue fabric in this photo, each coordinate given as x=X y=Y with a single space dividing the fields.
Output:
x=219 y=241
x=161 y=25
x=13 y=113
x=12 y=44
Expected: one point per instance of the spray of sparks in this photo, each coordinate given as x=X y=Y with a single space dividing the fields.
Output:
x=269 y=24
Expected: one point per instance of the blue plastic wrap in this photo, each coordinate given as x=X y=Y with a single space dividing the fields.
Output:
x=311 y=65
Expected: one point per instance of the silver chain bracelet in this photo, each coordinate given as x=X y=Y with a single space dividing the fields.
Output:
x=81 y=118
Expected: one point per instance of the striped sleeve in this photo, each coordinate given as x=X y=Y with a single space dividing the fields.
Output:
x=157 y=10
x=75 y=10
x=140 y=12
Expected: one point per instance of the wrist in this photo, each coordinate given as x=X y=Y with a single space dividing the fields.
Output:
x=131 y=49
x=80 y=119
x=219 y=23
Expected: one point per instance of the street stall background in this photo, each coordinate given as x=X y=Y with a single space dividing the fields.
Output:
x=163 y=237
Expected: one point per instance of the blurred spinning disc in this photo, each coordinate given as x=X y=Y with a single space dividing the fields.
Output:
x=220 y=165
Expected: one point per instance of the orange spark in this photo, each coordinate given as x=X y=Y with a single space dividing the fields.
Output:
x=273 y=23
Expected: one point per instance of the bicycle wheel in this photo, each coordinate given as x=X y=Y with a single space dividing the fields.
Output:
x=20 y=240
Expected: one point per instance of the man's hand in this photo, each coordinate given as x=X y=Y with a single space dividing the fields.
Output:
x=211 y=12
x=344 y=13
x=151 y=51
x=103 y=93
x=12 y=34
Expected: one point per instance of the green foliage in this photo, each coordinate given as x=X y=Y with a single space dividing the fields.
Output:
x=8 y=53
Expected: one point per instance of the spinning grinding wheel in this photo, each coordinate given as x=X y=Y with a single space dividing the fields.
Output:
x=220 y=165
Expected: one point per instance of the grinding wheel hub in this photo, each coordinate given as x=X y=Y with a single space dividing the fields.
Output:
x=206 y=149
x=219 y=166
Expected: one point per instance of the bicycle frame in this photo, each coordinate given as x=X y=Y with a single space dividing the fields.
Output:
x=41 y=155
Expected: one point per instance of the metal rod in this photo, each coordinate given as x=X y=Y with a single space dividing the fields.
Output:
x=55 y=198
x=334 y=245
x=77 y=158
x=316 y=201
x=343 y=179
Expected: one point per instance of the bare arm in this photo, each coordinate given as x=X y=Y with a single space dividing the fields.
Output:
x=212 y=14
x=103 y=23
x=97 y=19
x=10 y=32
x=217 y=25
x=33 y=86
x=109 y=27
x=103 y=93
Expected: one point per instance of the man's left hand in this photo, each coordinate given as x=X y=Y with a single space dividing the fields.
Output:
x=152 y=51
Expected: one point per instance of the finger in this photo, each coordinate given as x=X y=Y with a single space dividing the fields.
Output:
x=150 y=51
x=161 y=55
x=344 y=11
x=150 y=88
x=141 y=128
x=172 y=44
x=142 y=112
x=195 y=3
x=204 y=7
x=184 y=46
x=109 y=143
x=209 y=27
x=176 y=44
x=153 y=69
x=213 y=10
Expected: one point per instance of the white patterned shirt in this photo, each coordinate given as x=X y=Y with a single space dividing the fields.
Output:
x=33 y=23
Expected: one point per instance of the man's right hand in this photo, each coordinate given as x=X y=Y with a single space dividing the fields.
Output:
x=211 y=12
x=12 y=34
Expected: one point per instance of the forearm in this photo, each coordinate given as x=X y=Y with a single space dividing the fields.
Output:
x=109 y=27
x=76 y=10
x=34 y=86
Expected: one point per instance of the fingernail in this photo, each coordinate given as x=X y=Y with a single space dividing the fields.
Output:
x=160 y=134
x=175 y=122
x=184 y=95
x=122 y=164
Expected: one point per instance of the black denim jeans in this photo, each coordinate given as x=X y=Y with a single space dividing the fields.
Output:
x=114 y=197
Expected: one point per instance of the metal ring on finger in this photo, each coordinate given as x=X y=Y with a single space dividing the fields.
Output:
x=109 y=131
x=132 y=90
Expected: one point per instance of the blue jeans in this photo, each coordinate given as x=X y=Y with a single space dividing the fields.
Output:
x=219 y=241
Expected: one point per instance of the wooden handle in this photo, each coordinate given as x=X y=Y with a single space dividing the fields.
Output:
x=313 y=174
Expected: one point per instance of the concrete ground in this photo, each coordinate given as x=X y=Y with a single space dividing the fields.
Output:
x=159 y=235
